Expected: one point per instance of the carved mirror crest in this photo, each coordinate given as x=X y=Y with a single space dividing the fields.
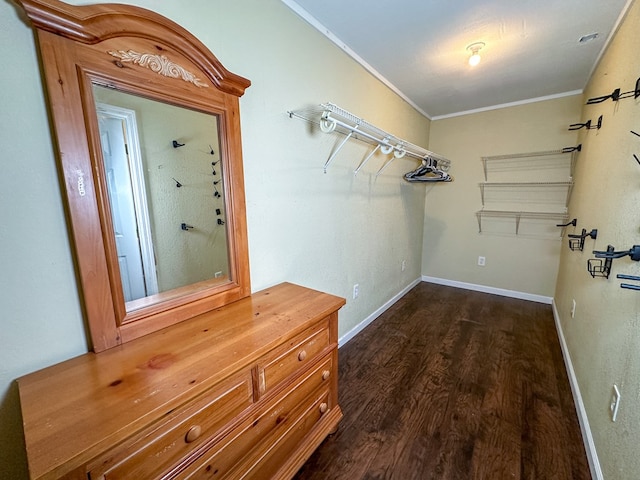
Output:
x=148 y=132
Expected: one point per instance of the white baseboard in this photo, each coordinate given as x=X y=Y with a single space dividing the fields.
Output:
x=589 y=444
x=361 y=326
x=484 y=289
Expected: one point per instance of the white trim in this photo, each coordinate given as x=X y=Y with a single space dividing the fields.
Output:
x=311 y=20
x=496 y=291
x=141 y=207
x=364 y=323
x=587 y=437
x=511 y=104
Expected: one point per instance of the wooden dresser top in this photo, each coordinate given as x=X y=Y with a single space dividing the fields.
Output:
x=74 y=410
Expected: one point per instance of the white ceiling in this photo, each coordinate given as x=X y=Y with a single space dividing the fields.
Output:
x=419 y=47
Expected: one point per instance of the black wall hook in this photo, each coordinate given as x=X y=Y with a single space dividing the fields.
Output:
x=176 y=144
x=573 y=222
x=576 y=242
x=577 y=148
x=587 y=125
x=211 y=152
x=178 y=184
x=616 y=95
x=629 y=286
x=186 y=227
x=599 y=268
x=633 y=252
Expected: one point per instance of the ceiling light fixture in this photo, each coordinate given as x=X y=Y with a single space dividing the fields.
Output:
x=474 y=48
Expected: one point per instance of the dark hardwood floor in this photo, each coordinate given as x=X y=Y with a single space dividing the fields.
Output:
x=454 y=384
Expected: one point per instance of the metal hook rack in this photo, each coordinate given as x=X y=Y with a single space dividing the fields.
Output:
x=637 y=135
x=587 y=125
x=332 y=118
x=629 y=286
x=576 y=242
x=573 y=222
x=597 y=265
x=599 y=268
x=616 y=95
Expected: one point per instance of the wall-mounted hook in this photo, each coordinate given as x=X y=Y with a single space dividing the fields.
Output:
x=633 y=252
x=587 y=125
x=216 y=193
x=616 y=95
x=599 y=268
x=178 y=184
x=577 y=148
x=211 y=152
x=186 y=227
x=573 y=222
x=628 y=286
x=220 y=221
x=576 y=242
x=216 y=182
x=176 y=144
x=218 y=211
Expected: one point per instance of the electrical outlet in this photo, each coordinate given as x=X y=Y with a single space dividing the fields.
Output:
x=573 y=308
x=356 y=291
x=481 y=261
x=404 y=265
x=615 y=402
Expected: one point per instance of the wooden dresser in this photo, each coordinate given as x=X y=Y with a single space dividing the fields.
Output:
x=245 y=391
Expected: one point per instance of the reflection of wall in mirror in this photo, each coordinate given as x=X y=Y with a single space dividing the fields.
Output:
x=182 y=257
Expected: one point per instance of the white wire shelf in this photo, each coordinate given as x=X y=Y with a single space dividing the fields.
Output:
x=573 y=151
x=517 y=216
x=568 y=185
x=332 y=118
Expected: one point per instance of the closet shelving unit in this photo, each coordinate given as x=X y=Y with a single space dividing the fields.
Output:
x=532 y=157
x=544 y=187
x=332 y=118
x=517 y=216
x=538 y=185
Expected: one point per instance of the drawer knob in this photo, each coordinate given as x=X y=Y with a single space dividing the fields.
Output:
x=193 y=433
x=326 y=374
x=323 y=407
x=302 y=355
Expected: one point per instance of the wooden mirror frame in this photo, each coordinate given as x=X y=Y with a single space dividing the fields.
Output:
x=142 y=53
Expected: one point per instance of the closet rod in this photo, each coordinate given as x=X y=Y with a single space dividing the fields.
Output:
x=331 y=117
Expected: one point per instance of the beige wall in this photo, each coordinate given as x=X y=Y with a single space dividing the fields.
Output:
x=325 y=231
x=604 y=336
x=526 y=263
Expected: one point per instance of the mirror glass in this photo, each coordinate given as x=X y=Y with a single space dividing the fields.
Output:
x=163 y=173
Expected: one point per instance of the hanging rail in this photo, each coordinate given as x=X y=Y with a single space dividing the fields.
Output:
x=332 y=118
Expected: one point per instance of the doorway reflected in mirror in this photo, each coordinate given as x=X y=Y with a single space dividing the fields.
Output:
x=163 y=174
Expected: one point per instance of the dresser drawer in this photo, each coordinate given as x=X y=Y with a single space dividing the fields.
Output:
x=251 y=441
x=267 y=465
x=291 y=357
x=158 y=449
